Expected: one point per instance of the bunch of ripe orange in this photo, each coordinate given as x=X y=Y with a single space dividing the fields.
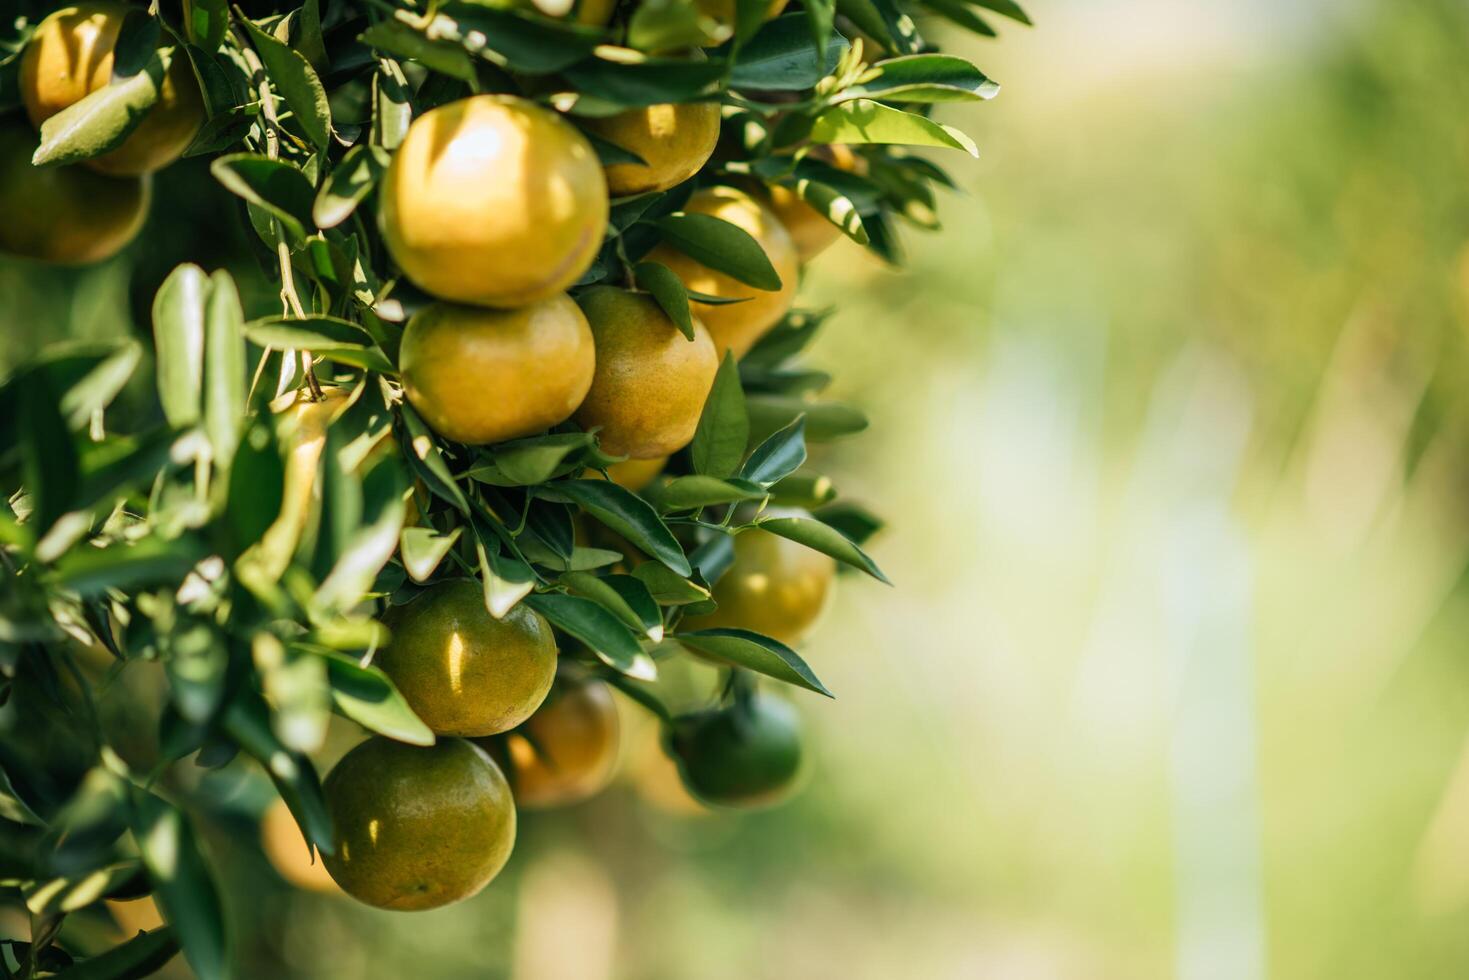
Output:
x=496 y=206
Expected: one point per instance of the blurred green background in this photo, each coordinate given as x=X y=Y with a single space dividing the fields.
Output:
x=1170 y=421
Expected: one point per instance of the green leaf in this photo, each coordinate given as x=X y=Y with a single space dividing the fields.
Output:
x=101 y=120
x=629 y=515
x=422 y=548
x=720 y=245
x=247 y=720
x=833 y=205
x=525 y=462
x=825 y=421
x=12 y=807
x=804 y=490
x=959 y=12
x=825 y=539
x=195 y=660
x=724 y=427
x=224 y=368
x=142 y=956
x=601 y=631
x=149 y=562
x=855 y=522
x=50 y=466
x=624 y=596
x=68 y=894
x=697 y=490
x=296 y=686
x=206 y=22
x=256 y=488
x=782 y=58
x=292 y=76
x=397 y=37
x=1007 y=8
x=819 y=17
x=639 y=81
x=506 y=581
x=371 y=542
x=278 y=187
x=182 y=885
x=368 y=697
x=668 y=25
x=520 y=42
x=778 y=456
x=331 y=337
x=178 y=336
x=923 y=78
x=101 y=385
x=427 y=460
x=392 y=105
x=761 y=654
x=864 y=121
x=670 y=293
x=668 y=589
x=350 y=181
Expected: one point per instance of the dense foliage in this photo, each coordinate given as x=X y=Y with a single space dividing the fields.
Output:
x=254 y=558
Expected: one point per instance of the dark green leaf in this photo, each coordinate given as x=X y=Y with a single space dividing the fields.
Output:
x=142 y=956
x=292 y=76
x=778 y=456
x=149 y=562
x=923 y=78
x=521 y=42
x=182 y=885
x=629 y=515
x=392 y=106
x=670 y=293
x=782 y=58
x=428 y=461
x=650 y=81
x=49 y=463
x=278 y=187
x=624 y=596
x=247 y=720
x=959 y=12
x=724 y=427
x=12 y=807
x=825 y=539
x=397 y=37
x=720 y=245
x=824 y=420
x=761 y=654
x=855 y=522
x=101 y=385
x=697 y=490
x=525 y=462
x=368 y=697
x=612 y=642
x=1007 y=8
x=206 y=22
x=667 y=588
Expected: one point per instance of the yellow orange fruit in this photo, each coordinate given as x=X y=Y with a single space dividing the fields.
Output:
x=673 y=139
x=66 y=215
x=774 y=586
x=650 y=381
x=567 y=751
x=417 y=827
x=736 y=326
x=462 y=671
x=71 y=56
x=633 y=474
x=478 y=375
x=495 y=201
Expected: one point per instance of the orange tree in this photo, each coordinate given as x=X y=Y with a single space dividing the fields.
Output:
x=527 y=422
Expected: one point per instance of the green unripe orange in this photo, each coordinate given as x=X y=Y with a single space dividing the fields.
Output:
x=417 y=827
x=742 y=755
x=674 y=141
x=462 y=671
x=650 y=381
x=495 y=201
x=66 y=215
x=70 y=56
x=478 y=375
x=736 y=326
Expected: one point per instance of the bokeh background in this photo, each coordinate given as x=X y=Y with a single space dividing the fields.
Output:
x=1170 y=421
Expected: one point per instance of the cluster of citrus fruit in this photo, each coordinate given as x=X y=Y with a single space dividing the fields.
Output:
x=87 y=211
x=496 y=206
